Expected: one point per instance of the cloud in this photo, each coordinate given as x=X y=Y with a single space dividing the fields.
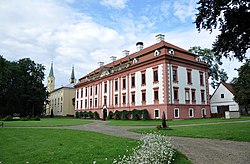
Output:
x=117 y=4
x=184 y=9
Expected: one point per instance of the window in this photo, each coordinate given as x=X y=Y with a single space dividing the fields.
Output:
x=155 y=75
x=222 y=96
x=202 y=96
x=90 y=104
x=91 y=91
x=133 y=97
x=124 y=83
x=81 y=104
x=203 y=112
x=124 y=98
x=86 y=104
x=176 y=113
x=105 y=87
x=86 y=92
x=143 y=96
x=191 y=112
x=143 y=79
x=201 y=79
x=132 y=81
x=105 y=100
x=116 y=99
x=81 y=92
x=95 y=102
x=77 y=105
x=77 y=94
x=96 y=90
x=175 y=74
x=189 y=76
x=187 y=96
x=193 y=95
x=176 y=97
x=116 y=85
x=156 y=95
x=156 y=113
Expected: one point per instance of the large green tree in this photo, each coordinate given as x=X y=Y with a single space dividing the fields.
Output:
x=241 y=85
x=232 y=18
x=216 y=73
x=21 y=87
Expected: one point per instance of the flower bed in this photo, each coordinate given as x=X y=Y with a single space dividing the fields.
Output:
x=155 y=149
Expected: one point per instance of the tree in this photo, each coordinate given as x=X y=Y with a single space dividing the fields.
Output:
x=232 y=18
x=241 y=85
x=216 y=74
x=21 y=87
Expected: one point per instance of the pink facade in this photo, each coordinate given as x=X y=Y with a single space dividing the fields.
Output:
x=162 y=77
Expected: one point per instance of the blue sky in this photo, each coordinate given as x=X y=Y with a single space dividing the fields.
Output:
x=84 y=32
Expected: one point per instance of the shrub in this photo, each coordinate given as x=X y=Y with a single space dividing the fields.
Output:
x=124 y=115
x=110 y=116
x=28 y=117
x=154 y=149
x=24 y=119
x=8 y=118
x=77 y=114
x=117 y=115
x=145 y=114
x=84 y=114
x=91 y=115
x=37 y=118
x=96 y=116
x=136 y=114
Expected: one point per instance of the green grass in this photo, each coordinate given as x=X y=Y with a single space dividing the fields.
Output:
x=233 y=131
x=172 y=122
x=48 y=122
x=63 y=146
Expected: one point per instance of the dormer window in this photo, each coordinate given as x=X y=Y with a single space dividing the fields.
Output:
x=135 y=60
x=222 y=96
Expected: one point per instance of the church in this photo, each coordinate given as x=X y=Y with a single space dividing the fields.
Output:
x=60 y=99
x=159 y=78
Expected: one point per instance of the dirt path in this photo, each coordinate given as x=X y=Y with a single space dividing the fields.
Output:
x=199 y=151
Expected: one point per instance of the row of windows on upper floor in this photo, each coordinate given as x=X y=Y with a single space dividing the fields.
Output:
x=143 y=98
x=143 y=81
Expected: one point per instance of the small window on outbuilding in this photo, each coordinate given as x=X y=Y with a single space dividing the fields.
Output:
x=222 y=96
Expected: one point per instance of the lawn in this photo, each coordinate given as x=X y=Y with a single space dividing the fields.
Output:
x=233 y=131
x=172 y=122
x=63 y=146
x=48 y=122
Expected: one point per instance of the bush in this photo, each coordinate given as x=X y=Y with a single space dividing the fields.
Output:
x=110 y=116
x=136 y=114
x=124 y=115
x=8 y=118
x=145 y=114
x=117 y=115
x=96 y=116
x=77 y=115
x=91 y=115
x=37 y=118
x=24 y=119
x=154 y=149
x=28 y=117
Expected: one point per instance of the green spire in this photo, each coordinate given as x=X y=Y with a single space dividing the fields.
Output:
x=51 y=72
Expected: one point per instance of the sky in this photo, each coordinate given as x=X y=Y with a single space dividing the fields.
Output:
x=81 y=33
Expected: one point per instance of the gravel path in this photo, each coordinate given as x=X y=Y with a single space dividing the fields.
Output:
x=198 y=150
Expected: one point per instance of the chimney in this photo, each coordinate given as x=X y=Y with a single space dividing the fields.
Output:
x=113 y=58
x=125 y=52
x=100 y=64
x=160 y=37
x=139 y=46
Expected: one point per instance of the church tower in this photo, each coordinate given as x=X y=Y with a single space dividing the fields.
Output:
x=51 y=80
x=72 y=79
